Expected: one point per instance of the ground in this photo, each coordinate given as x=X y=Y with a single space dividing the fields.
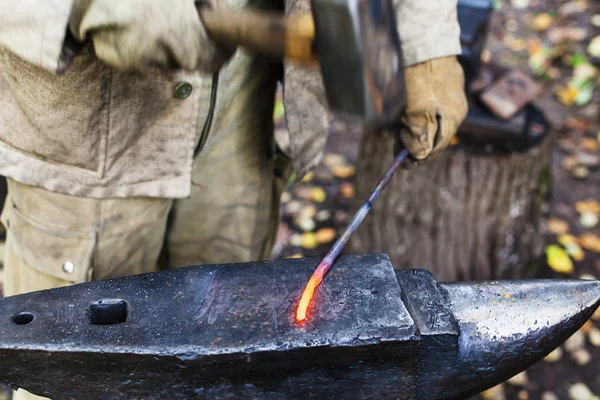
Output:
x=552 y=39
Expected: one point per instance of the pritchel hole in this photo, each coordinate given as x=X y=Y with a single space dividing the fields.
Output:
x=108 y=312
x=22 y=318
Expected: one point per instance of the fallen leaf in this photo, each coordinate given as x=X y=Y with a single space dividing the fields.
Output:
x=554 y=356
x=513 y=43
x=520 y=4
x=588 y=206
x=309 y=240
x=557 y=226
x=575 y=251
x=318 y=195
x=333 y=160
x=308 y=177
x=542 y=21
x=579 y=391
x=454 y=141
x=588 y=144
x=588 y=220
x=494 y=393
x=308 y=212
x=567 y=239
x=581 y=172
x=297 y=255
x=594 y=336
x=581 y=357
x=590 y=241
x=520 y=379
x=343 y=171
x=325 y=235
x=323 y=215
x=305 y=224
x=595 y=20
x=347 y=190
x=573 y=7
x=566 y=95
x=523 y=395
x=558 y=259
x=594 y=47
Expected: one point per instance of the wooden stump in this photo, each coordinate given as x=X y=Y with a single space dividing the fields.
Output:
x=463 y=215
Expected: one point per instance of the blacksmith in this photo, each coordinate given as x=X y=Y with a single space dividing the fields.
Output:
x=129 y=137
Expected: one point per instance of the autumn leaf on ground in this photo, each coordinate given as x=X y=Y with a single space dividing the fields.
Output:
x=588 y=205
x=557 y=226
x=594 y=47
x=325 y=235
x=567 y=239
x=588 y=144
x=558 y=259
x=588 y=220
x=343 y=171
x=318 y=195
x=542 y=21
x=575 y=251
x=591 y=242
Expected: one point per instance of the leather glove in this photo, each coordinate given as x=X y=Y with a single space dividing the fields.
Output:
x=133 y=35
x=436 y=105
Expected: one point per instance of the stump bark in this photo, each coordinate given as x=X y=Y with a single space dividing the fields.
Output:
x=463 y=215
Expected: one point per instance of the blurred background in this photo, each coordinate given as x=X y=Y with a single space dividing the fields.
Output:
x=517 y=194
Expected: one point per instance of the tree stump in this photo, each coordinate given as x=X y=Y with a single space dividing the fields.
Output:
x=463 y=215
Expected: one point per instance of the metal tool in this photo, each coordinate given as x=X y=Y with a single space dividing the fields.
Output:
x=334 y=252
x=355 y=42
x=229 y=331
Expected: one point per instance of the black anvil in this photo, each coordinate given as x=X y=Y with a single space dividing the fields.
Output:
x=228 y=332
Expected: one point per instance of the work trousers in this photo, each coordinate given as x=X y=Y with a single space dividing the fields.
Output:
x=232 y=215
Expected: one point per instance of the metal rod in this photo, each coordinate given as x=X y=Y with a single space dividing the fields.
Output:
x=337 y=247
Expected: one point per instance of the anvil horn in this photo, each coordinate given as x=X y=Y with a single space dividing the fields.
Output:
x=228 y=331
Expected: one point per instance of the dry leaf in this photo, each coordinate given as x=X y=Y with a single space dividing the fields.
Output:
x=318 y=195
x=588 y=220
x=308 y=177
x=590 y=241
x=332 y=160
x=581 y=172
x=542 y=21
x=596 y=20
x=309 y=240
x=306 y=224
x=347 y=190
x=558 y=259
x=454 y=141
x=594 y=47
x=515 y=44
x=562 y=34
x=557 y=226
x=343 y=171
x=588 y=144
x=567 y=239
x=588 y=206
x=569 y=163
x=308 y=211
x=575 y=251
x=325 y=235
x=297 y=255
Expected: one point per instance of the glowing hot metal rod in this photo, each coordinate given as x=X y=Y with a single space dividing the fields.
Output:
x=330 y=257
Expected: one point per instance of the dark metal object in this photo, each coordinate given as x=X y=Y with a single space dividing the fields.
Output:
x=228 y=331
x=361 y=62
x=339 y=244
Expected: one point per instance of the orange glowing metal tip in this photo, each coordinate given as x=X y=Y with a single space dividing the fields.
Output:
x=317 y=276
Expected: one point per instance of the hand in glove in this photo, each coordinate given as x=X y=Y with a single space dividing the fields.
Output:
x=133 y=35
x=436 y=105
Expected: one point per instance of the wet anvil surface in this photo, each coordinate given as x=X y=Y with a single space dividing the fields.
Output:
x=228 y=332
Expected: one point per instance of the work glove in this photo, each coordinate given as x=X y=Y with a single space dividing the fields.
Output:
x=134 y=35
x=436 y=105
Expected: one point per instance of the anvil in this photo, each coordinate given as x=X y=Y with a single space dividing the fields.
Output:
x=228 y=332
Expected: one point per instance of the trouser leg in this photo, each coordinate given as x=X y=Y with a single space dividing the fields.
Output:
x=56 y=240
